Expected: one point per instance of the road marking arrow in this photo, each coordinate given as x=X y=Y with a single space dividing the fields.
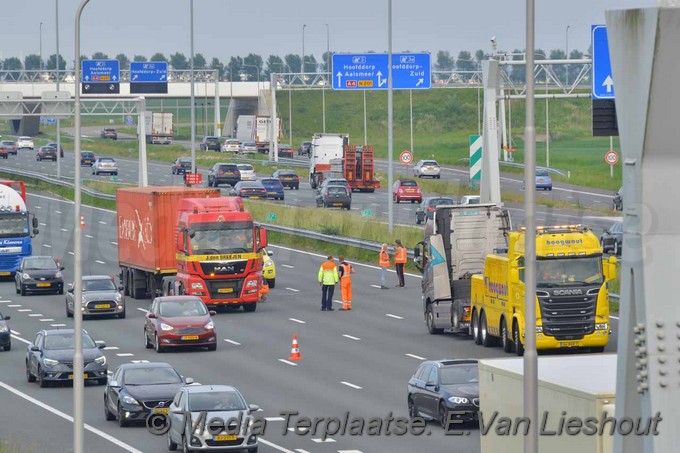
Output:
x=608 y=82
x=339 y=76
x=381 y=81
x=420 y=82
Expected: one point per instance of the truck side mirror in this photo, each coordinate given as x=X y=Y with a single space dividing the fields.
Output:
x=609 y=268
x=262 y=238
x=35 y=224
x=191 y=233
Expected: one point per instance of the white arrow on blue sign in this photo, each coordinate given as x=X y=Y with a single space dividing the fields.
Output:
x=410 y=71
x=603 y=84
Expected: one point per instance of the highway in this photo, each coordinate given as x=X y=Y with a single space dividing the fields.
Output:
x=356 y=362
x=159 y=173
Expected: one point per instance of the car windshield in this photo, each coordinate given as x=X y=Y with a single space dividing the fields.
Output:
x=106 y=159
x=8 y=143
x=287 y=173
x=226 y=168
x=250 y=186
x=103 y=284
x=565 y=271
x=542 y=173
x=210 y=139
x=14 y=225
x=25 y=138
x=459 y=374
x=220 y=241
x=182 y=308
x=438 y=201
x=337 y=190
x=245 y=167
x=215 y=401
x=338 y=182
x=232 y=142
x=151 y=376
x=40 y=264
x=271 y=182
x=66 y=341
x=431 y=163
x=249 y=144
x=474 y=200
x=409 y=184
x=185 y=160
x=87 y=154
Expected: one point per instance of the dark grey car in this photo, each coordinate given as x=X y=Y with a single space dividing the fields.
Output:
x=50 y=358
x=618 y=200
x=39 y=274
x=101 y=297
x=5 y=336
x=612 y=239
x=334 y=197
x=427 y=207
x=224 y=174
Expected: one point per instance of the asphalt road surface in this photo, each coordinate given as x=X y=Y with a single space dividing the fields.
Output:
x=356 y=362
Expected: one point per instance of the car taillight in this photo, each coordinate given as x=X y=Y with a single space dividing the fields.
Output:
x=430 y=208
x=220 y=172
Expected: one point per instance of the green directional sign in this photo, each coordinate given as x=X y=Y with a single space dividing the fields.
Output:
x=475 y=158
x=271 y=217
x=366 y=213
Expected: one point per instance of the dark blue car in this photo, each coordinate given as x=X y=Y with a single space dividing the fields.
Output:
x=5 y=338
x=273 y=187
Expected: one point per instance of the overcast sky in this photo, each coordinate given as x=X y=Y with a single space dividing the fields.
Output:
x=225 y=28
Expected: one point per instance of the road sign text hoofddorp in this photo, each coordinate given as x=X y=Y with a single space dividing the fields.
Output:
x=370 y=71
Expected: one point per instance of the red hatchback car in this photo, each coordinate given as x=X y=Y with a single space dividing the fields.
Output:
x=179 y=321
x=406 y=190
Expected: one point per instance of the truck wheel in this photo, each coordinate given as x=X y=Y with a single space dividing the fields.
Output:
x=519 y=347
x=429 y=320
x=249 y=308
x=505 y=338
x=487 y=341
x=474 y=327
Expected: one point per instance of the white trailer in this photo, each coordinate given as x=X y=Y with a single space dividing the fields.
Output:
x=325 y=148
x=582 y=387
x=159 y=128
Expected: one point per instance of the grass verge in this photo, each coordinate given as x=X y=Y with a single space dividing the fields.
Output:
x=7 y=447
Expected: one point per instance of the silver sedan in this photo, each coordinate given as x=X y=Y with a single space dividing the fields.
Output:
x=427 y=168
x=101 y=297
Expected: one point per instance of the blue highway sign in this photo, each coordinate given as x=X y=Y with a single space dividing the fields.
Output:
x=410 y=71
x=101 y=71
x=154 y=71
x=603 y=84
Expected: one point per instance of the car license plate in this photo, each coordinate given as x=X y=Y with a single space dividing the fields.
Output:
x=225 y=290
x=224 y=437
x=410 y=190
x=337 y=204
x=102 y=306
x=88 y=161
x=568 y=344
x=255 y=197
x=271 y=193
x=162 y=410
x=541 y=180
x=288 y=179
x=5 y=273
x=44 y=285
x=70 y=376
x=190 y=337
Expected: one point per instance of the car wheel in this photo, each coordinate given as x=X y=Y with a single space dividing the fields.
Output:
x=412 y=409
x=550 y=188
x=41 y=379
x=8 y=346
x=16 y=287
x=249 y=308
x=23 y=290
x=439 y=177
x=121 y=315
x=398 y=200
x=60 y=291
x=429 y=320
x=147 y=343
x=476 y=337
x=616 y=251
x=212 y=347
x=519 y=347
x=418 y=221
x=107 y=413
x=271 y=282
x=68 y=313
x=121 y=418
x=443 y=414
x=604 y=250
x=102 y=381
x=505 y=338
x=171 y=445
x=487 y=341
x=29 y=376
x=157 y=344
x=413 y=201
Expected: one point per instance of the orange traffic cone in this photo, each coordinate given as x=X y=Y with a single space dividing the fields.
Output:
x=82 y=221
x=295 y=350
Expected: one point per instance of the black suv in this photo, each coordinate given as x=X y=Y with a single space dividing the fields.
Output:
x=305 y=149
x=54 y=145
x=210 y=144
x=109 y=133
x=223 y=174
x=87 y=158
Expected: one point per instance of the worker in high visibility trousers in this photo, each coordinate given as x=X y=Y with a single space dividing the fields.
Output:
x=328 y=277
x=399 y=261
x=384 y=264
x=346 y=283
x=264 y=290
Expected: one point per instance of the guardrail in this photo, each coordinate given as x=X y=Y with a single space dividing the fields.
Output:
x=57 y=182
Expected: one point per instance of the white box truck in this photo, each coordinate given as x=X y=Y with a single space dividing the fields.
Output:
x=572 y=390
x=263 y=132
x=159 y=128
x=245 y=128
x=325 y=148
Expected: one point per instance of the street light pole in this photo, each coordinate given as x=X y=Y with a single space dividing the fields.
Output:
x=328 y=70
x=302 y=63
x=56 y=15
x=567 y=53
x=78 y=365
x=390 y=145
x=41 y=56
x=193 y=106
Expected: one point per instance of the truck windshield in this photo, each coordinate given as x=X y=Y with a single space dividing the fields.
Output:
x=13 y=225
x=568 y=271
x=222 y=241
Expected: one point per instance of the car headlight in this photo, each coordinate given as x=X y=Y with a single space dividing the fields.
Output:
x=197 y=285
x=101 y=360
x=539 y=329
x=50 y=362
x=118 y=297
x=164 y=326
x=25 y=276
x=209 y=325
x=57 y=275
x=130 y=400
x=3 y=328
x=268 y=263
x=251 y=283
x=602 y=326
x=458 y=400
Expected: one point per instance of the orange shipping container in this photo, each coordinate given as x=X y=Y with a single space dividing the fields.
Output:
x=147 y=218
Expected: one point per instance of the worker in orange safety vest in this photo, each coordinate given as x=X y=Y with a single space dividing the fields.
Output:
x=399 y=261
x=328 y=277
x=346 y=283
x=384 y=264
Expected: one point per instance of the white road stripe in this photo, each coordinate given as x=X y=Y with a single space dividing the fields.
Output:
x=338 y=301
x=5 y=301
x=416 y=356
x=299 y=450
x=114 y=243
x=351 y=337
x=21 y=339
x=32 y=315
x=38 y=207
x=350 y=451
x=47 y=245
x=393 y=316
x=288 y=266
x=15 y=305
x=47 y=320
x=64 y=230
x=100 y=262
x=142 y=309
x=58 y=325
x=89 y=236
x=235 y=343
x=287 y=362
x=71 y=253
x=275 y=419
x=274 y=446
x=100 y=222
x=376 y=286
x=349 y=384
x=58 y=413
x=57 y=212
x=290 y=319
x=326 y=440
x=23 y=310
x=111 y=348
x=125 y=354
x=15 y=332
x=293 y=289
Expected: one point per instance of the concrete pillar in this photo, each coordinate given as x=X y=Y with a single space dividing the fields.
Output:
x=490 y=184
x=643 y=46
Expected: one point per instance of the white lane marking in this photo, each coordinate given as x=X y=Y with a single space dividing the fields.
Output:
x=417 y=357
x=350 y=451
x=287 y=362
x=112 y=242
x=338 y=301
x=47 y=320
x=351 y=337
x=290 y=319
x=38 y=207
x=47 y=245
x=89 y=236
x=318 y=441
x=63 y=229
x=293 y=289
x=614 y=317
x=349 y=384
x=15 y=305
x=71 y=253
x=235 y=343
x=97 y=261
x=143 y=309
x=393 y=316
x=57 y=212
x=125 y=354
x=32 y=315
x=21 y=339
x=15 y=332
x=58 y=325
x=274 y=446
x=100 y=222
x=23 y=310
x=59 y=413
x=5 y=301
x=288 y=266
x=275 y=419
x=111 y=348
x=299 y=450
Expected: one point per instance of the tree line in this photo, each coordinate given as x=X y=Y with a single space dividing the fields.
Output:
x=253 y=67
